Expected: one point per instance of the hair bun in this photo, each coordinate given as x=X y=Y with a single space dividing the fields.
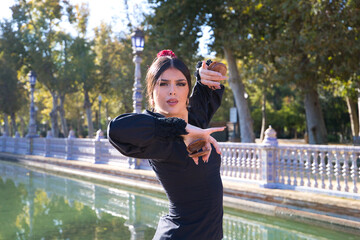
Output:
x=165 y=53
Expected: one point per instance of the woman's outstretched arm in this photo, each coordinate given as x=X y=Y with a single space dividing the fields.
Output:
x=145 y=136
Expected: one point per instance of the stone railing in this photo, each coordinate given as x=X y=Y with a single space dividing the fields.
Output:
x=324 y=169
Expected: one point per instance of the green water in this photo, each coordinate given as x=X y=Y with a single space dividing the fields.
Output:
x=36 y=205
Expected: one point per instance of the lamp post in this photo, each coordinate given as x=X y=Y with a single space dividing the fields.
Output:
x=32 y=121
x=100 y=99
x=137 y=40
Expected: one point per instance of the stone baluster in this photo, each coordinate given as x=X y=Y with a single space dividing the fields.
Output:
x=277 y=166
x=223 y=151
x=233 y=162
x=288 y=166
x=238 y=163
x=98 y=137
x=253 y=164
x=301 y=166
x=243 y=162
x=258 y=166
x=248 y=163
x=3 y=141
x=337 y=170
x=308 y=167
x=248 y=160
x=315 y=168
x=268 y=156
x=329 y=170
x=228 y=161
x=97 y=143
x=48 y=143
x=16 y=142
x=295 y=166
x=322 y=169
x=69 y=145
x=282 y=166
x=354 y=172
x=29 y=145
x=345 y=171
x=225 y=161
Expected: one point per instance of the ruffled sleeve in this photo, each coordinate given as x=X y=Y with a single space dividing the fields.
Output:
x=145 y=136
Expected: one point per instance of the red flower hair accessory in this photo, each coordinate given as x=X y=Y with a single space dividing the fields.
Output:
x=165 y=53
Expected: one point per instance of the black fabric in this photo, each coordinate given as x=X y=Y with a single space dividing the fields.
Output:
x=170 y=127
x=199 y=65
x=195 y=192
x=203 y=104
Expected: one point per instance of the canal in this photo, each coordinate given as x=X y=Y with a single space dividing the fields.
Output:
x=39 y=205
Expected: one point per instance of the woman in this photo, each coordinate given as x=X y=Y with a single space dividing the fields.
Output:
x=194 y=187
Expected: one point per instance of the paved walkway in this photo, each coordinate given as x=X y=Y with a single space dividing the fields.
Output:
x=323 y=210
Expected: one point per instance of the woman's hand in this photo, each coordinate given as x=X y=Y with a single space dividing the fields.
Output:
x=195 y=133
x=210 y=78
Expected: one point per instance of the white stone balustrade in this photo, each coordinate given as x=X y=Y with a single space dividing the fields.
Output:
x=326 y=169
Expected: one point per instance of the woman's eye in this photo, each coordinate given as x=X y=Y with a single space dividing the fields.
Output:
x=163 y=84
x=181 y=84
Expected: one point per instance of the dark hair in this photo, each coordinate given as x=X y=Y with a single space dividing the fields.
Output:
x=159 y=66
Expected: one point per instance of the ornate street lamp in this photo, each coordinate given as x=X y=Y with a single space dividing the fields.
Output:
x=100 y=99
x=137 y=40
x=32 y=121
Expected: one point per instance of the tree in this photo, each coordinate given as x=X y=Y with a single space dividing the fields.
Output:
x=83 y=59
x=85 y=69
x=301 y=39
x=11 y=90
x=115 y=68
x=185 y=18
x=67 y=83
x=38 y=22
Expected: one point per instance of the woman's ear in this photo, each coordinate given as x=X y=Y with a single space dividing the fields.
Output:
x=152 y=102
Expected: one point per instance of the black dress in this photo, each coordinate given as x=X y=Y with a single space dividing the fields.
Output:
x=195 y=191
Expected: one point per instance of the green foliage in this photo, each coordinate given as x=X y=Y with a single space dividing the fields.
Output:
x=284 y=49
x=175 y=25
x=11 y=90
x=115 y=68
x=284 y=110
x=336 y=118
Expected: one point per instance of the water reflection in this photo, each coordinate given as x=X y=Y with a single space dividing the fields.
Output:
x=35 y=205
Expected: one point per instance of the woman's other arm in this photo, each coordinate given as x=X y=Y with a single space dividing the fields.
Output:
x=206 y=96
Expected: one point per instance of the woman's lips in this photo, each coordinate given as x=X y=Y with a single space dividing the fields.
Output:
x=172 y=102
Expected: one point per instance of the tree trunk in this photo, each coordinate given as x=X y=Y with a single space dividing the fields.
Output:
x=358 y=102
x=263 y=117
x=6 y=125
x=87 y=106
x=238 y=88
x=22 y=126
x=351 y=104
x=13 y=124
x=107 y=113
x=62 y=115
x=54 y=116
x=314 y=117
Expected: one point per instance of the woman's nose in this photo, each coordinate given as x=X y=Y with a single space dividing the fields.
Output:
x=172 y=90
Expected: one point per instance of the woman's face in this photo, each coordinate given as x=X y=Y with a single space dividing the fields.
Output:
x=170 y=94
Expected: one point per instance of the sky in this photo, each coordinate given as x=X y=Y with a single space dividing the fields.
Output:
x=110 y=11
